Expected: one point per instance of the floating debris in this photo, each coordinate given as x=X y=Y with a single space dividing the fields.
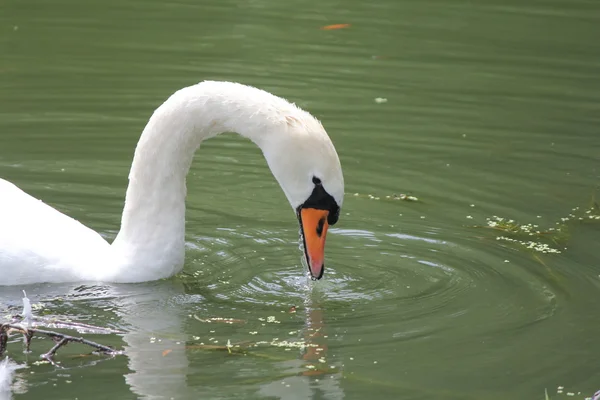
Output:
x=401 y=196
x=515 y=228
x=229 y=321
x=536 y=246
x=542 y=240
x=298 y=344
x=334 y=27
x=405 y=197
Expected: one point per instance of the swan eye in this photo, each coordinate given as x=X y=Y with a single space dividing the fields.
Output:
x=316 y=180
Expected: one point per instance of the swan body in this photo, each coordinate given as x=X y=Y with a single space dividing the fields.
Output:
x=40 y=244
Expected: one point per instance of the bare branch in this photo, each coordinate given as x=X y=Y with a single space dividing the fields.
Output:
x=60 y=339
x=3 y=340
x=60 y=324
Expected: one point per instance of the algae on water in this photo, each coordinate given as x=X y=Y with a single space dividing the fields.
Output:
x=533 y=237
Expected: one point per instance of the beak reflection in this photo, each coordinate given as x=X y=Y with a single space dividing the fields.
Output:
x=313 y=223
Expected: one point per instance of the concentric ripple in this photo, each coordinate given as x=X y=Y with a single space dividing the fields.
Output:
x=417 y=278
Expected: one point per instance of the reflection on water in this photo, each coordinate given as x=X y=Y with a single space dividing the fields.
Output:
x=155 y=343
x=157 y=319
x=157 y=355
x=315 y=374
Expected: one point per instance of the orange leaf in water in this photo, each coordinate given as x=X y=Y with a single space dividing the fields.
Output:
x=165 y=352
x=334 y=26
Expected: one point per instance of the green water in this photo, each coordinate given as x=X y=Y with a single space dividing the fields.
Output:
x=493 y=108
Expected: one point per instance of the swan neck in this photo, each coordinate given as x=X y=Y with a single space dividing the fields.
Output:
x=152 y=236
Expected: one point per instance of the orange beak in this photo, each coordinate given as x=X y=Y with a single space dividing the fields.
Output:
x=314 y=230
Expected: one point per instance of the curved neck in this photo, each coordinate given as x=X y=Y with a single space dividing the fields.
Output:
x=152 y=236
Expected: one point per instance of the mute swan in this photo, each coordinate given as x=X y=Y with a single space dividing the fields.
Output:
x=40 y=244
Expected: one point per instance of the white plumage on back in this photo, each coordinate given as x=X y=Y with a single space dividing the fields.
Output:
x=39 y=244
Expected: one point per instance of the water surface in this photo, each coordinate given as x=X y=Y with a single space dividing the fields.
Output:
x=491 y=108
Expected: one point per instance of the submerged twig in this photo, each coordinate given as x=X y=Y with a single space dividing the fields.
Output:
x=61 y=340
x=49 y=355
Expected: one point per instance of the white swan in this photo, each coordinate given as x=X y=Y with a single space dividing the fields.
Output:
x=39 y=244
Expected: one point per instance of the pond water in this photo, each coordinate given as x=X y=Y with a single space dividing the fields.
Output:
x=480 y=109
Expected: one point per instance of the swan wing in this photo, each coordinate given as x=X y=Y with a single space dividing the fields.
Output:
x=40 y=244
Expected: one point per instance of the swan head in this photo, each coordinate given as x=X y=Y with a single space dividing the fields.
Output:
x=306 y=165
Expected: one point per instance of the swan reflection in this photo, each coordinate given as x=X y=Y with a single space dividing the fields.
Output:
x=312 y=379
